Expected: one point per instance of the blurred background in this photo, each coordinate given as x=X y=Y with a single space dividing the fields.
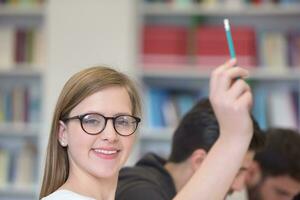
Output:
x=168 y=47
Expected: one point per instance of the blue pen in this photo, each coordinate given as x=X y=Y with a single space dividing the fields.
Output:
x=229 y=38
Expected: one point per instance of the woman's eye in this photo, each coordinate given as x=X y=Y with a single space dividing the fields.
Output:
x=92 y=121
x=122 y=122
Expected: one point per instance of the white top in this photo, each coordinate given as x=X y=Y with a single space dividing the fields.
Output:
x=66 y=195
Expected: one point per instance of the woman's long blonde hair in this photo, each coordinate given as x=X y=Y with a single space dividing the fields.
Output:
x=77 y=88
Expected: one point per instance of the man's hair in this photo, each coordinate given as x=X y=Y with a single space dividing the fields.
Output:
x=199 y=129
x=281 y=155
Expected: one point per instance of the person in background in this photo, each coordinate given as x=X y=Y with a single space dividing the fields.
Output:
x=275 y=172
x=156 y=178
x=93 y=131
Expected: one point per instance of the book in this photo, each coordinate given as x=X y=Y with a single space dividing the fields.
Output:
x=281 y=112
x=164 y=44
x=26 y=162
x=212 y=48
x=4 y=166
x=2 y=109
x=6 y=47
x=294 y=48
x=39 y=48
x=260 y=107
x=8 y=114
x=30 y=37
x=273 y=50
x=20 y=46
x=295 y=101
x=34 y=103
x=157 y=97
x=170 y=111
x=18 y=103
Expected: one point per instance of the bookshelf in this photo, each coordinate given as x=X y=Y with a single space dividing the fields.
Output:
x=21 y=83
x=170 y=69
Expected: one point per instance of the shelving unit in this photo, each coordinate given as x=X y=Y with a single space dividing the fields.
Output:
x=190 y=76
x=21 y=85
x=17 y=135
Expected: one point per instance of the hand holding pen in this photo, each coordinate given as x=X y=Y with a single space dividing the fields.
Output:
x=230 y=95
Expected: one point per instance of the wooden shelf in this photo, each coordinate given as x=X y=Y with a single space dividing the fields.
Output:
x=23 y=70
x=155 y=9
x=19 y=130
x=22 y=10
x=193 y=72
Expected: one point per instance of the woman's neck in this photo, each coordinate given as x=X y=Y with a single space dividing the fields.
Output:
x=87 y=185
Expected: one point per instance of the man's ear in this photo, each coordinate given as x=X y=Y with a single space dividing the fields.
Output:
x=197 y=158
x=253 y=174
x=62 y=134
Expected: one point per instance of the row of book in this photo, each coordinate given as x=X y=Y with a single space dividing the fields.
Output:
x=20 y=104
x=18 y=163
x=166 y=107
x=21 y=2
x=216 y=2
x=280 y=49
x=272 y=107
x=206 y=45
x=21 y=46
x=276 y=108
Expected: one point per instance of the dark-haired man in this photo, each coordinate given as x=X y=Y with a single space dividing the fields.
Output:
x=275 y=171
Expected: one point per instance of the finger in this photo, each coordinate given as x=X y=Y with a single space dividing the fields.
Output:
x=230 y=63
x=228 y=77
x=227 y=65
x=238 y=88
x=246 y=100
x=218 y=71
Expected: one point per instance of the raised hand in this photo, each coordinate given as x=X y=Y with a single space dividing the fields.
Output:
x=231 y=99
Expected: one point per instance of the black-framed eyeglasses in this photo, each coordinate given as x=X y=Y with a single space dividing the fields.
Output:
x=95 y=123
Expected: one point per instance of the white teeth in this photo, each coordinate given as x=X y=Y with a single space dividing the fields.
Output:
x=108 y=152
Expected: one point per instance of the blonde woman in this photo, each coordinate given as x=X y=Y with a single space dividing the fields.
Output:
x=91 y=135
x=93 y=131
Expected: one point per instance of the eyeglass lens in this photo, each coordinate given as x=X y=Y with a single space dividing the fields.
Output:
x=95 y=123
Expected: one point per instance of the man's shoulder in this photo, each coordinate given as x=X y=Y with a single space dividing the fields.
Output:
x=141 y=191
x=139 y=175
x=147 y=178
x=150 y=169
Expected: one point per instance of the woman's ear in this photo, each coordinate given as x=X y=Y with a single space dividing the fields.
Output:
x=197 y=158
x=62 y=134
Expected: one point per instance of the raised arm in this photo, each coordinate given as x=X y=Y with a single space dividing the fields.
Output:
x=231 y=99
